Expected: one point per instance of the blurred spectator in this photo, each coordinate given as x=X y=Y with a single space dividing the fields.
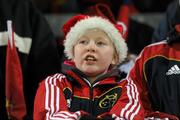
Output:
x=157 y=73
x=171 y=18
x=156 y=69
x=36 y=46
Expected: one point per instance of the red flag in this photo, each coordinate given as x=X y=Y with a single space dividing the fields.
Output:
x=15 y=102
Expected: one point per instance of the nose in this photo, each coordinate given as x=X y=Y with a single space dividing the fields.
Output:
x=91 y=46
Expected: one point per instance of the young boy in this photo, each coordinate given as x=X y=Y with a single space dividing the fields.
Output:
x=90 y=86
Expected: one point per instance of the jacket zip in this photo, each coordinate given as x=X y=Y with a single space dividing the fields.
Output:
x=91 y=96
x=91 y=100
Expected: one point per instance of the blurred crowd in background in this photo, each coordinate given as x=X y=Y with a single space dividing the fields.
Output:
x=143 y=15
x=73 y=6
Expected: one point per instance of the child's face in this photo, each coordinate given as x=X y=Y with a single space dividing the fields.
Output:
x=94 y=52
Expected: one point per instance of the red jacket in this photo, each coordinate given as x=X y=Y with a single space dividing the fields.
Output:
x=70 y=96
x=156 y=73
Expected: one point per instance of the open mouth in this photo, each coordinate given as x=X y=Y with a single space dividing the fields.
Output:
x=90 y=58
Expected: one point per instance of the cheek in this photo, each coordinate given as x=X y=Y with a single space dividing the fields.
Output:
x=107 y=58
x=77 y=61
x=77 y=55
x=76 y=52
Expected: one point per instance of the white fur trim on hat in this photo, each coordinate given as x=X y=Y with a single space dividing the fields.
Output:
x=95 y=22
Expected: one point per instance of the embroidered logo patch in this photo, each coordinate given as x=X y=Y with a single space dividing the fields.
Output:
x=108 y=101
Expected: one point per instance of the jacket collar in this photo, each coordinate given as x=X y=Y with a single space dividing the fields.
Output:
x=114 y=75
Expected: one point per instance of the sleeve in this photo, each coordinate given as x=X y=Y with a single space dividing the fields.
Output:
x=136 y=77
x=50 y=102
x=129 y=104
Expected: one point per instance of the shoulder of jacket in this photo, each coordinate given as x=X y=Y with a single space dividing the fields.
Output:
x=154 y=46
x=157 y=44
x=55 y=79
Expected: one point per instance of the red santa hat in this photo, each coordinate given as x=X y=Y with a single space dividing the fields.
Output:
x=77 y=25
